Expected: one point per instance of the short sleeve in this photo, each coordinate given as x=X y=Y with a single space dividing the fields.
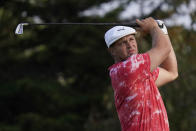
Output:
x=155 y=74
x=147 y=63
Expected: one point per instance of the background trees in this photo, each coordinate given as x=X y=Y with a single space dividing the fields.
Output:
x=55 y=78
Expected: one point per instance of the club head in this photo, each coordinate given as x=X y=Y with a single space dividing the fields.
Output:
x=19 y=28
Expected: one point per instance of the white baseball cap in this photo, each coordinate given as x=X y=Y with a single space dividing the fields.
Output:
x=116 y=33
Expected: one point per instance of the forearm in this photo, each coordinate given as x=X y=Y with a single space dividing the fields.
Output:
x=170 y=63
x=161 y=47
x=159 y=40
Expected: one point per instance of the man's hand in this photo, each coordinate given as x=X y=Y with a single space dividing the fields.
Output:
x=147 y=25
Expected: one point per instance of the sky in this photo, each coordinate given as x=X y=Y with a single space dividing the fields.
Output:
x=133 y=9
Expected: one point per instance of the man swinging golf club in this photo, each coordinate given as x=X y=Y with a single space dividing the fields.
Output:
x=135 y=77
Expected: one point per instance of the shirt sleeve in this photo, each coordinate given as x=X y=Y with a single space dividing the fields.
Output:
x=155 y=74
x=146 y=61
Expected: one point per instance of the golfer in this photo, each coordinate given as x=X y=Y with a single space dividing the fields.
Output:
x=136 y=76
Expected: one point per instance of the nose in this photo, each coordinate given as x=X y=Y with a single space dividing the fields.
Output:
x=129 y=45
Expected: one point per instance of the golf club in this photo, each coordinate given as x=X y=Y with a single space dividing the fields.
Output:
x=19 y=28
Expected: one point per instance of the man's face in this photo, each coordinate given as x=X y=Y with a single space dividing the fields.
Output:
x=124 y=48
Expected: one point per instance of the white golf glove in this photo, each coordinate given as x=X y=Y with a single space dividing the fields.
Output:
x=164 y=29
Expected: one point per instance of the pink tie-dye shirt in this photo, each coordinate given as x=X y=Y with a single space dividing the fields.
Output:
x=138 y=102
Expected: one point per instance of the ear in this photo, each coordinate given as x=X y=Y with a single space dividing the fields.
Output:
x=111 y=51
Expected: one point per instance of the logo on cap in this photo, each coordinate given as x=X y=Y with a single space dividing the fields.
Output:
x=121 y=29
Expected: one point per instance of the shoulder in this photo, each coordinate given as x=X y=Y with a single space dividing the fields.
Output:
x=139 y=58
x=133 y=59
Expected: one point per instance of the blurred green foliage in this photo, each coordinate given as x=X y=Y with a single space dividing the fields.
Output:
x=55 y=78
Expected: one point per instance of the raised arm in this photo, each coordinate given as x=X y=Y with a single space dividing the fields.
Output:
x=161 y=46
x=168 y=69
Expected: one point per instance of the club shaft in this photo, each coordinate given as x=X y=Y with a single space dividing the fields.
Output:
x=96 y=24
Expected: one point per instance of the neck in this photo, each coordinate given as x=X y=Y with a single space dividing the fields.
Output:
x=117 y=60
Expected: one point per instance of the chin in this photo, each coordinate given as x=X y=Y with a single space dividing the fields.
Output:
x=131 y=54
